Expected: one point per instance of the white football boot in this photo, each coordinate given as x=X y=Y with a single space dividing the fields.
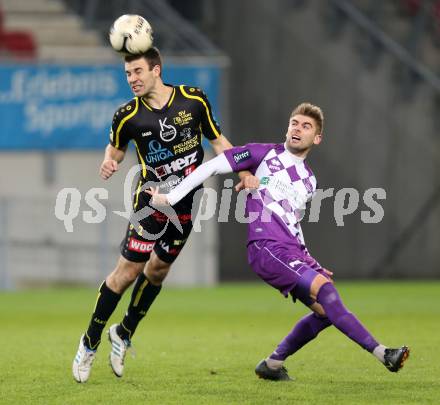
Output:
x=82 y=363
x=118 y=352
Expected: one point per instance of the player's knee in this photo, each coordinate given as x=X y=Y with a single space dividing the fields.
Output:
x=327 y=294
x=157 y=276
x=131 y=269
x=157 y=270
x=318 y=282
x=318 y=310
x=124 y=274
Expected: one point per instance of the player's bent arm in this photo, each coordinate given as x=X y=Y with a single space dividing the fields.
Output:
x=112 y=153
x=247 y=180
x=110 y=163
x=217 y=165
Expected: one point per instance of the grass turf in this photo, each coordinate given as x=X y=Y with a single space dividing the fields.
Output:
x=200 y=346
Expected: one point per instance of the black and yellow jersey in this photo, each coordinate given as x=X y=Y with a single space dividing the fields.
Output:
x=168 y=141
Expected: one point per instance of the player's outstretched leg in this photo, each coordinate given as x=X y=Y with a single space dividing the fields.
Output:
x=143 y=295
x=120 y=335
x=149 y=278
x=348 y=324
x=105 y=305
x=303 y=332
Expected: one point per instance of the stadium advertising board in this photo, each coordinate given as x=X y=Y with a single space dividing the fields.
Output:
x=56 y=107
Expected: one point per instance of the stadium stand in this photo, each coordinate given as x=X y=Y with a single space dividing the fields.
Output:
x=18 y=44
x=48 y=30
x=184 y=40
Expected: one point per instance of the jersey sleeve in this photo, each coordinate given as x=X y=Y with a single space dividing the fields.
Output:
x=247 y=157
x=119 y=131
x=217 y=165
x=210 y=127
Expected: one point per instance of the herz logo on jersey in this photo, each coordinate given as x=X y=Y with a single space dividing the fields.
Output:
x=177 y=165
x=167 y=132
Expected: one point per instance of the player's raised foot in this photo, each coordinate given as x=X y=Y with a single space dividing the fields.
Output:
x=395 y=358
x=118 y=352
x=262 y=370
x=83 y=361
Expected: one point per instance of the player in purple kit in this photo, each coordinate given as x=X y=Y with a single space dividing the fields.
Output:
x=276 y=248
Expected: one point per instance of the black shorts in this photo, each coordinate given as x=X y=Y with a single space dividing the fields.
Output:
x=137 y=248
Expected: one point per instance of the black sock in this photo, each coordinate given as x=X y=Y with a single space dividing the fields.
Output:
x=105 y=305
x=143 y=295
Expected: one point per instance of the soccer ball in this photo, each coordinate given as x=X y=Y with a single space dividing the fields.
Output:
x=131 y=34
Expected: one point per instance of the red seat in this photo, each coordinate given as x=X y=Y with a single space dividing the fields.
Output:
x=18 y=43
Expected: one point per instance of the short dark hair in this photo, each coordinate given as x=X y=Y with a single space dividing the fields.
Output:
x=312 y=111
x=152 y=56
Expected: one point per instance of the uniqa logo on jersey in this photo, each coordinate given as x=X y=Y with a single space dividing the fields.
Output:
x=157 y=152
x=167 y=132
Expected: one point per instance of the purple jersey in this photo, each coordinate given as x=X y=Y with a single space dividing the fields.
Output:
x=286 y=184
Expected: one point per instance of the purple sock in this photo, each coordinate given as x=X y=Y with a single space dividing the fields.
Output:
x=345 y=321
x=303 y=332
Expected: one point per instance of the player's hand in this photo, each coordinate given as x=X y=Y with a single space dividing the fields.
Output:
x=248 y=183
x=108 y=167
x=329 y=274
x=157 y=198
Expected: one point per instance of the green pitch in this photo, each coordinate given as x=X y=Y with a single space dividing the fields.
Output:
x=200 y=346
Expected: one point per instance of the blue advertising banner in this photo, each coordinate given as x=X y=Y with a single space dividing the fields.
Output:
x=55 y=107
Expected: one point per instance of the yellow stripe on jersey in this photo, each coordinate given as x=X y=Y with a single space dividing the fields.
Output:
x=144 y=166
x=146 y=104
x=169 y=102
x=208 y=112
x=123 y=122
x=172 y=97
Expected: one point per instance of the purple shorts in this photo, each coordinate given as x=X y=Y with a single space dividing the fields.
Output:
x=285 y=267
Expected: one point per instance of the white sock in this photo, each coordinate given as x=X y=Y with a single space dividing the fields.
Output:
x=379 y=352
x=274 y=364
